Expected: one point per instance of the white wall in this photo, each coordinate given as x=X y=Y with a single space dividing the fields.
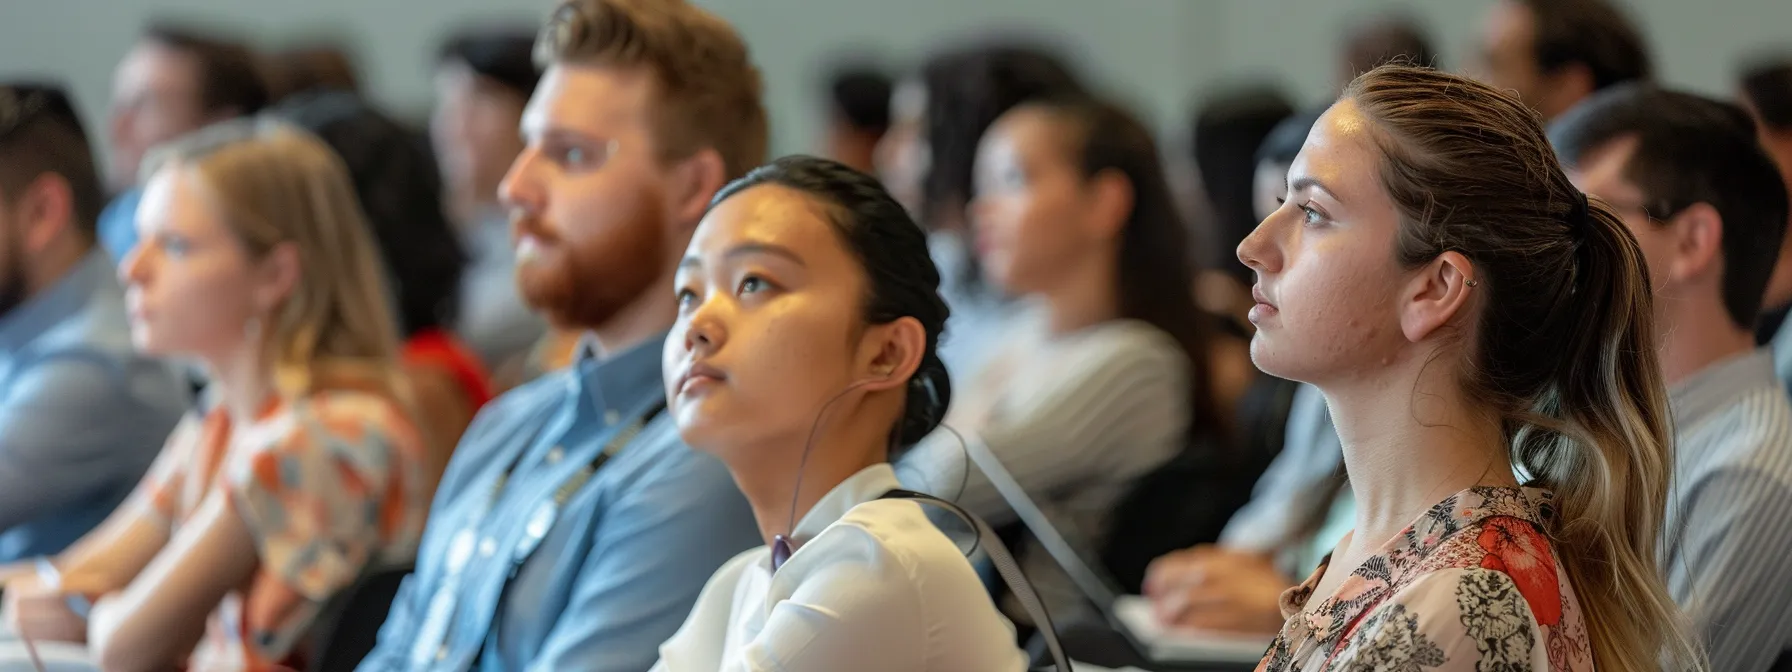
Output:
x=1157 y=53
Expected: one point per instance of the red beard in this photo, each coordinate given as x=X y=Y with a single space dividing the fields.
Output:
x=583 y=279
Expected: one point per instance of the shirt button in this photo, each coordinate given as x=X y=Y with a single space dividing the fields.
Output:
x=611 y=417
x=488 y=547
x=555 y=454
x=442 y=653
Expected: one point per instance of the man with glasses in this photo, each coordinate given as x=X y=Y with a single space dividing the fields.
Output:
x=1709 y=209
x=81 y=415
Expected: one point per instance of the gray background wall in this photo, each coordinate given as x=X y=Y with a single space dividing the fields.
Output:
x=1159 y=54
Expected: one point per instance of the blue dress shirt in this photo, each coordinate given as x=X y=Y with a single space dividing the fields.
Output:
x=118 y=223
x=81 y=414
x=615 y=572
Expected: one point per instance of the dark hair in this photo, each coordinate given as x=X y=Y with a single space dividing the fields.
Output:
x=967 y=90
x=400 y=191
x=1225 y=135
x=861 y=96
x=41 y=133
x=322 y=66
x=1593 y=33
x=1387 y=40
x=901 y=280
x=1156 y=280
x=229 y=77
x=1284 y=142
x=1563 y=354
x=1691 y=149
x=707 y=93
x=505 y=55
x=1768 y=87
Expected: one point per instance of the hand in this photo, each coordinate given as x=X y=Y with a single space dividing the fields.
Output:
x=1212 y=588
x=38 y=612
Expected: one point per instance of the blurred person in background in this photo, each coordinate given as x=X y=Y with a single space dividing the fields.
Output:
x=1709 y=208
x=484 y=76
x=858 y=114
x=396 y=181
x=1381 y=40
x=176 y=80
x=1101 y=384
x=1767 y=94
x=573 y=530
x=1554 y=53
x=937 y=116
x=303 y=469
x=1226 y=132
x=81 y=414
x=309 y=68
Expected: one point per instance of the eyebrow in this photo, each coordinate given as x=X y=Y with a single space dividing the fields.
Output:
x=1300 y=183
x=746 y=249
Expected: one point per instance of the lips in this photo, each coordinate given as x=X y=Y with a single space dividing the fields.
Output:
x=1264 y=309
x=697 y=376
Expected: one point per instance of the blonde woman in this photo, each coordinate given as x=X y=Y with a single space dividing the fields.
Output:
x=1465 y=309
x=300 y=471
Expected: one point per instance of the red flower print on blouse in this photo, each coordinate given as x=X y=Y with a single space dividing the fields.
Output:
x=1516 y=547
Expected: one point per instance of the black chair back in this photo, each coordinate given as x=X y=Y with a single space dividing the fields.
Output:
x=349 y=626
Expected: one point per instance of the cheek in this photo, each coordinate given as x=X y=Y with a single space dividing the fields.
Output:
x=1336 y=303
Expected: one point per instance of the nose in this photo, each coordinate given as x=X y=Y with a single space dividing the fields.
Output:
x=520 y=188
x=705 y=332
x=132 y=270
x=1258 y=251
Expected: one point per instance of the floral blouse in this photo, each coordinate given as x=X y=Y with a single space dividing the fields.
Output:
x=1471 y=585
x=329 y=485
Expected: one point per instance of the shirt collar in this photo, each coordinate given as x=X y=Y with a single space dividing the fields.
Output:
x=624 y=383
x=62 y=300
x=870 y=483
x=1713 y=388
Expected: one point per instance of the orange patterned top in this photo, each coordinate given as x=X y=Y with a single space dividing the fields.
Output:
x=328 y=484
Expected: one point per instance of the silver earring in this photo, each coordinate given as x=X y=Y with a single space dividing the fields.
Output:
x=1474 y=283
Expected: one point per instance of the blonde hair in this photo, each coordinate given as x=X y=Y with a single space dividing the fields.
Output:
x=274 y=185
x=1565 y=347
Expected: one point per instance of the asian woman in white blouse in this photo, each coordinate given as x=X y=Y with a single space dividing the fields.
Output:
x=803 y=354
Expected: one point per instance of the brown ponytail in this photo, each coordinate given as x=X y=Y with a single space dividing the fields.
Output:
x=1565 y=349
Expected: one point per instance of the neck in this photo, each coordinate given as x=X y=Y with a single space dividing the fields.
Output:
x=47 y=267
x=1410 y=440
x=773 y=485
x=1083 y=296
x=1695 y=335
x=651 y=314
x=243 y=383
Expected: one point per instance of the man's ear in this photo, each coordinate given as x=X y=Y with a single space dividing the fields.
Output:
x=46 y=207
x=1436 y=294
x=695 y=182
x=1698 y=242
x=891 y=353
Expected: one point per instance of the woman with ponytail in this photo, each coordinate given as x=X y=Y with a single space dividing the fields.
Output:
x=1473 y=322
x=805 y=354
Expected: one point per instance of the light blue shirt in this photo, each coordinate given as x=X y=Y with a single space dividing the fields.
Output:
x=118 y=224
x=1782 y=352
x=81 y=414
x=617 y=571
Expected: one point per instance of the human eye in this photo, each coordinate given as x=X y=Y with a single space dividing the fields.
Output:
x=753 y=284
x=1312 y=215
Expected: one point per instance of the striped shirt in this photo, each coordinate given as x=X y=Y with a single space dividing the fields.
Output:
x=1076 y=418
x=1782 y=351
x=1729 y=530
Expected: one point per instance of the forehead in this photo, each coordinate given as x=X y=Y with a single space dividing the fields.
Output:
x=774 y=215
x=1602 y=171
x=1340 y=153
x=1509 y=25
x=152 y=64
x=176 y=197
x=593 y=99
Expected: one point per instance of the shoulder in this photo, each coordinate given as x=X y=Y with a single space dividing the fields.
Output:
x=1454 y=619
x=354 y=415
x=897 y=535
x=1749 y=436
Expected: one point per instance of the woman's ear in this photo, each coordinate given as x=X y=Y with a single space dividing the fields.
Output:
x=1112 y=205
x=1436 y=294
x=279 y=275
x=891 y=353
